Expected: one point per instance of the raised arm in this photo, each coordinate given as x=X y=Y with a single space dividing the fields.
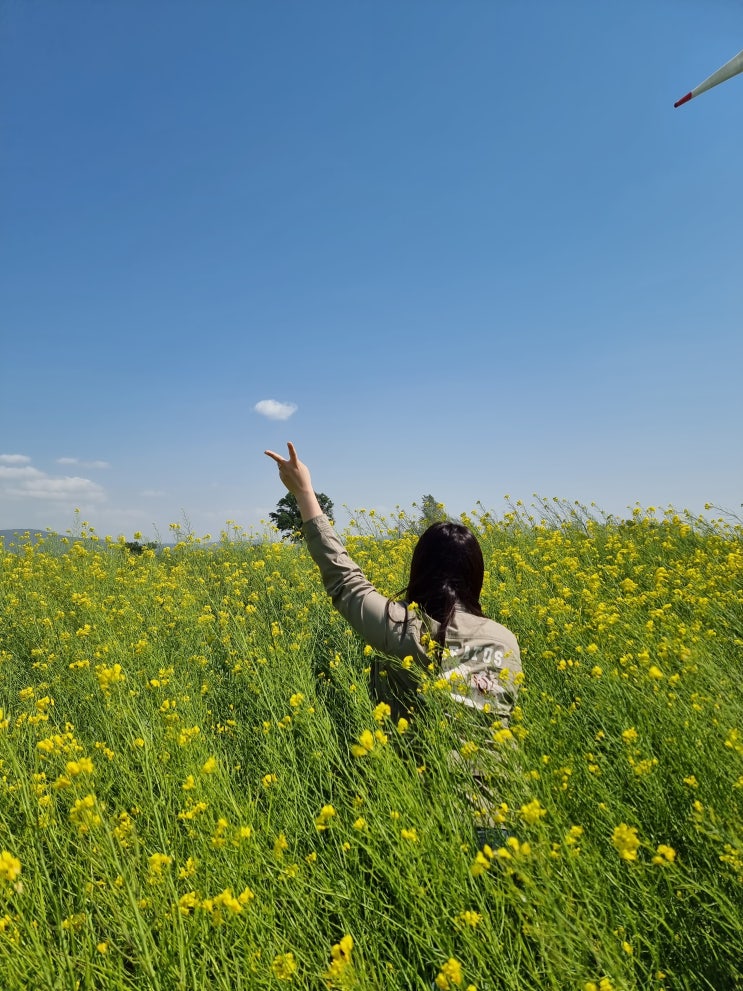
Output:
x=352 y=593
x=296 y=477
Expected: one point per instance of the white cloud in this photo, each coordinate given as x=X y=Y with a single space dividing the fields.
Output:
x=14 y=459
x=58 y=489
x=275 y=410
x=23 y=481
x=16 y=473
x=83 y=464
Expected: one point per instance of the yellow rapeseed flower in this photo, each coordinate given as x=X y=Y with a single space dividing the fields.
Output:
x=82 y=766
x=84 y=814
x=326 y=814
x=188 y=902
x=365 y=744
x=284 y=966
x=340 y=962
x=626 y=841
x=469 y=918
x=532 y=812
x=664 y=855
x=10 y=867
x=382 y=712
x=450 y=975
x=159 y=860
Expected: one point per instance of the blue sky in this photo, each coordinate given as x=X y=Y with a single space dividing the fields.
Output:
x=471 y=242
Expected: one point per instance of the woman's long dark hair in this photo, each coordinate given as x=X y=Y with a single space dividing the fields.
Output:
x=447 y=570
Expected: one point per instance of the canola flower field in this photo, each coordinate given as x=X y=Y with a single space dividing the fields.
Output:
x=196 y=790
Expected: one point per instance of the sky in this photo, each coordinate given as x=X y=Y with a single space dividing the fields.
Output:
x=458 y=247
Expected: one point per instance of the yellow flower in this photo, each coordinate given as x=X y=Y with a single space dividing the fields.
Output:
x=268 y=779
x=108 y=676
x=502 y=735
x=245 y=896
x=411 y=835
x=340 y=962
x=365 y=744
x=481 y=863
x=188 y=902
x=402 y=725
x=10 y=866
x=192 y=811
x=84 y=815
x=626 y=842
x=228 y=900
x=159 y=860
x=284 y=966
x=532 y=812
x=74 y=922
x=209 y=765
x=382 y=712
x=82 y=766
x=664 y=855
x=450 y=975
x=188 y=869
x=326 y=814
x=469 y=918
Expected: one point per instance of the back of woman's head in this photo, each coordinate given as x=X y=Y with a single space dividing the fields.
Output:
x=446 y=570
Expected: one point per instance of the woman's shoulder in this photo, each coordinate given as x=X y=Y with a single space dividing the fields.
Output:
x=468 y=627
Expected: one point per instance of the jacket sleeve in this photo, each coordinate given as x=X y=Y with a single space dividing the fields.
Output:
x=351 y=592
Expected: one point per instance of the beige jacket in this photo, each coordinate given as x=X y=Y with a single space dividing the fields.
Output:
x=482 y=659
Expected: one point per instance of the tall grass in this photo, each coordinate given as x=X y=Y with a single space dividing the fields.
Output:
x=181 y=807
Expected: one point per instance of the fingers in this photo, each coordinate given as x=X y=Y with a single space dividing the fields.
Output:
x=293 y=459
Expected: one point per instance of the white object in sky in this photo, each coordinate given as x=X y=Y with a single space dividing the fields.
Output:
x=731 y=68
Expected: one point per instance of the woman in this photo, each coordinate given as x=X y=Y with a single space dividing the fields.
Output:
x=446 y=627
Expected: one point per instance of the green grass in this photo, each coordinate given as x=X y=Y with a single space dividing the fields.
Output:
x=236 y=680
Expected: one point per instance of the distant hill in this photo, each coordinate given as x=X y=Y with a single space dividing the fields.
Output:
x=10 y=539
x=17 y=535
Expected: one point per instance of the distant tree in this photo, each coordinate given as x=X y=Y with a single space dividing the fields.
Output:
x=431 y=512
x=287 y=517
x=135 y=547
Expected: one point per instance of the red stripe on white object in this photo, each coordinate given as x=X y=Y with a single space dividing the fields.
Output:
x=684 y=99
